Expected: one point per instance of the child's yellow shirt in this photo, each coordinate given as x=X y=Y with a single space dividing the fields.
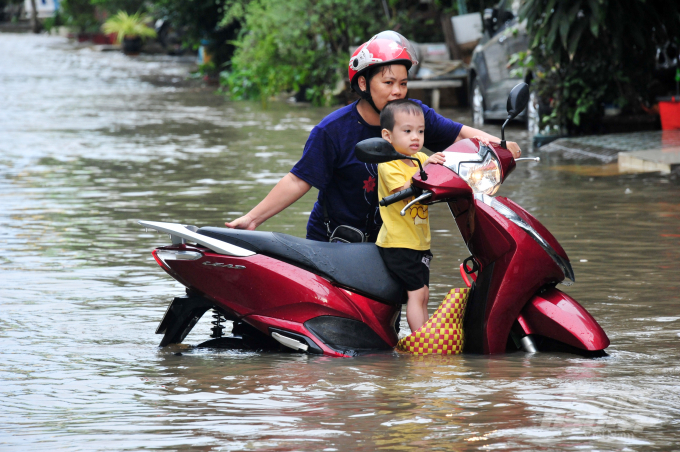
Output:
x=412 y=230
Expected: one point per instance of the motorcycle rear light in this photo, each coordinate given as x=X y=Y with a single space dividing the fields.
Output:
x=161 y=256
x=159 y=261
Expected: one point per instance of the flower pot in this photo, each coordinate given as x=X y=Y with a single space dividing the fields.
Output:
x=669 y=109
x=132 y=45
x=103 y=39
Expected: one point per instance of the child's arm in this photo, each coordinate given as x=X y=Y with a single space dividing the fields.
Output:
x=392 y=178
x=439 y=159
x=407 y=185
x=436 y=158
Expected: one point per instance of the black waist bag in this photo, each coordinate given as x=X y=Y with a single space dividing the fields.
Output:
x=345 y=233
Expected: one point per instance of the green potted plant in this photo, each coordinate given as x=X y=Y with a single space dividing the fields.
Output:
x=131 y=30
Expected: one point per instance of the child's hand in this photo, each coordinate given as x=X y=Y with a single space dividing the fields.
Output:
x=437 y=158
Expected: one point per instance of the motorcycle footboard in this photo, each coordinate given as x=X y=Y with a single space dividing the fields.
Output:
x=180 y=317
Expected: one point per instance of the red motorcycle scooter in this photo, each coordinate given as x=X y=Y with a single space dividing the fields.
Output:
x=284 y=292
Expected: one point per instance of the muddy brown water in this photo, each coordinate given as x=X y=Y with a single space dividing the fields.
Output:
x=90 y=142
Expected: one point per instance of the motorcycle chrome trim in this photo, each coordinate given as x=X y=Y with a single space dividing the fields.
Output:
x=486 y=199
x=528 y=344
x=218 y=264
x=510 y=214
x=290 y=343
x=526 y=159
x=418 y=199
x=183 y=233
x=172 y=255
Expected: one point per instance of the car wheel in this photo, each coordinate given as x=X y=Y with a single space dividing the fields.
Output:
x=477 y=104
x=533 y=116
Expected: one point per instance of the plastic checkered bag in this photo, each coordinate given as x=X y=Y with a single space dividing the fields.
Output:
x=443 y=332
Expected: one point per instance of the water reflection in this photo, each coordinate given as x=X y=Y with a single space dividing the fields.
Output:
x=91 y=142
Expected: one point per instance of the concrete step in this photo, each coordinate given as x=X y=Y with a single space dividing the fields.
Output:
x=662 y=160
x=641 y=152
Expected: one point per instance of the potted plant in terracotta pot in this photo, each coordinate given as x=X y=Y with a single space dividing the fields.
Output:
x=131 y=30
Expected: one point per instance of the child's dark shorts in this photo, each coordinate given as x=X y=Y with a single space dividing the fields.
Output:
x=411 y=267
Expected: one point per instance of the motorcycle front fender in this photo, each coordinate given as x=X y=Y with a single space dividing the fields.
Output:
x=556 y=315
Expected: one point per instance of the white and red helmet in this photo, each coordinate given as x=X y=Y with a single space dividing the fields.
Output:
x=387 y=47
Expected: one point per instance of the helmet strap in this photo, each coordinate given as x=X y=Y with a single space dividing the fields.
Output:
x=366 y=95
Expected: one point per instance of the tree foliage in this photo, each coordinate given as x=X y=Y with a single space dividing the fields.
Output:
x=86 y=15
x=289 y=45
x=306 y=44
x=586 y=53
x=79 y=14
x=113 y=6
x=200 y=21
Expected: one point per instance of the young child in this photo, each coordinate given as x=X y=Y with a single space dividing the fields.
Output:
x=404 y=242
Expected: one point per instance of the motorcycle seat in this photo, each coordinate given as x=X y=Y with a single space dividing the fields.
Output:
x=356 y=266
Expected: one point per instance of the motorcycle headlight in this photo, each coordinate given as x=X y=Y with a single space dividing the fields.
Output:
x=484 y=177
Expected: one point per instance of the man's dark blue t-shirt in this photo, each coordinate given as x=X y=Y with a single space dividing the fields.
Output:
x=346 y=185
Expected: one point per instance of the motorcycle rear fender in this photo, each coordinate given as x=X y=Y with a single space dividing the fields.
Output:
x=180 y=317
x=556 y=315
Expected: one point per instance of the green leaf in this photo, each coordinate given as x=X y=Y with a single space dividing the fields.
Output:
x=594 y=26
x=550 y=6
x=552 y=34
x=576 y=36
x=594 y=17
x=566 y=21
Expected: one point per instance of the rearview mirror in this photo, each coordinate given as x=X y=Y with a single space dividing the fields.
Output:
x=376 y=150
x=518 y=100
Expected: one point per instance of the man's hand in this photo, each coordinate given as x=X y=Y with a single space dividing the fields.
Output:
x=288 y=190
x=244 y=222
x=437 y=158
x=513 y=148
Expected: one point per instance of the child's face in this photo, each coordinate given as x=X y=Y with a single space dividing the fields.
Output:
x=408 y=134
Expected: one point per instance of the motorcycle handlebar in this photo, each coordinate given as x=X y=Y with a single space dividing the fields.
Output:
x=398 y=196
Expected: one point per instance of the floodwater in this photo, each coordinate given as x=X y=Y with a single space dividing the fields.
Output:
x=90 y=142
